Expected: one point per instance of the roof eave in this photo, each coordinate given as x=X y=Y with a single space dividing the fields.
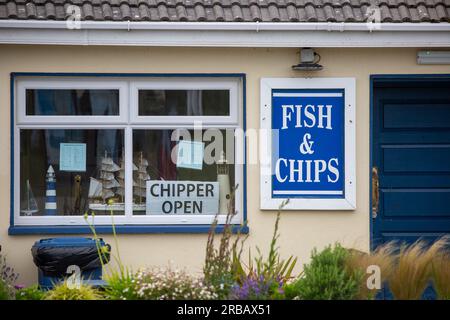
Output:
x=226 y=34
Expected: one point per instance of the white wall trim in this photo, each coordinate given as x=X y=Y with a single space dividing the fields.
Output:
x=226 y=34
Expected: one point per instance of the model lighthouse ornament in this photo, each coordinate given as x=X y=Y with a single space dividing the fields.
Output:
x=50 y=194
x=224 y=184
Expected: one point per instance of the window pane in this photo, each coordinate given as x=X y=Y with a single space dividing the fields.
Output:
x=188 y=176
x=67 y=102
x=184 y=102
x=68 y=172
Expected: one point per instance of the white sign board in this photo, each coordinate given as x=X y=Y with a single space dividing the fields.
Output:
x=182 y=197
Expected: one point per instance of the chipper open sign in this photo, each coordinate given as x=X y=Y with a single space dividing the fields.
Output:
x=310 y=142
x=182 y=197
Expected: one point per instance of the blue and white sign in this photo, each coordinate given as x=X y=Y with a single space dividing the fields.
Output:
x=310 y=140
x=310 y=124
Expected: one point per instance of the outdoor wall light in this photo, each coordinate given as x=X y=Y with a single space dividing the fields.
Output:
x=309 y=61
x=433 y=57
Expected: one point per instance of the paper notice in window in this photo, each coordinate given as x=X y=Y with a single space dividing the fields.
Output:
x=190 y=154
x=72 y=157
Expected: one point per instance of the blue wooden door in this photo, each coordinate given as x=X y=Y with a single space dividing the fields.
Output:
x=411 y=153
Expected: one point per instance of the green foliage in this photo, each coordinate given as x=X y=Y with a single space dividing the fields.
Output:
x=262 y=274
x=273 y=268
x=30 y=293
x=120 y=286
x=326 y=277
x=8 y=278
x=222 y=264
x=120 y=283
x=5 y=292
x=63 y=291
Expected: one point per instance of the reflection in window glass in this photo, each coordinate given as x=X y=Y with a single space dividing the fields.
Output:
x=68 y=172
x=156 y=157
x=70 y=102
x=184 y=102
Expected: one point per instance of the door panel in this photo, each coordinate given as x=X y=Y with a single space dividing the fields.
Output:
x=411 y=149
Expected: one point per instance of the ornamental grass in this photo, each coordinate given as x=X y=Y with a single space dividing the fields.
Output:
x=440 y=274
x=413 y=269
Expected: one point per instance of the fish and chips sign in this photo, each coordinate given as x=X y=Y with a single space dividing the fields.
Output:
x=182 y=197
x=310 y=143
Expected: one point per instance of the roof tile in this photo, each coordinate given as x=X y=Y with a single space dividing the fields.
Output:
x=231 y=10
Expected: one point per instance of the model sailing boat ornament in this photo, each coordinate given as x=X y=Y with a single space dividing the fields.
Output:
x=107 y=192
x=103 y=188
x=30 y=206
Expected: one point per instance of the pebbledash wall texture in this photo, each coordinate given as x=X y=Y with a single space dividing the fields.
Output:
x=301 y=231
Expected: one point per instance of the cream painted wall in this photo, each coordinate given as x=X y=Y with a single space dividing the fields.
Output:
x=300 y=231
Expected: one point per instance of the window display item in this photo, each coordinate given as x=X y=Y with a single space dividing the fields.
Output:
x=223 y=178
x=76 y=208
x=50 y=193
x=139 y=190
x=102 y=190
x=30 y=206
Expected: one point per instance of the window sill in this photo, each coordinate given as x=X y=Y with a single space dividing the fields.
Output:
x=120 y=229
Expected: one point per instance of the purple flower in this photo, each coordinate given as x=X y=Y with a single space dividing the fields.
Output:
x=251 y=288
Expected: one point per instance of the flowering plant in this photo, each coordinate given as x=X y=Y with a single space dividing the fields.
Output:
x=8 y=278
x=171 y=284
x=258 y=288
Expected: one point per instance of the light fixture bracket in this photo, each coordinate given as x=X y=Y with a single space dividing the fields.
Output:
x=308 y=61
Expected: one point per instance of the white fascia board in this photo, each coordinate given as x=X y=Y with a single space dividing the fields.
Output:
x=216 y=34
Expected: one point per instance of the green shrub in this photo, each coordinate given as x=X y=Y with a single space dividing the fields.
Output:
x=120 y=286
x=30 y=293
x=172 y=284
x=64 y=292
x=326 y=277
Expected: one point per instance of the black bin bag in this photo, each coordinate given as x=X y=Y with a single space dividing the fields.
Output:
x=53 y=256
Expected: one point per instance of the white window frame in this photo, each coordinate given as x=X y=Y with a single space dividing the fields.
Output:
x=127 y=121
x=181 y=84
x=65 y=83
x=347 y=203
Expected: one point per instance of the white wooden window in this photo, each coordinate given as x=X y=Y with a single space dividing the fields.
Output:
x=123 y=120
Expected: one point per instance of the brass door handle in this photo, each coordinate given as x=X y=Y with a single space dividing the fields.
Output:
x=375 y=192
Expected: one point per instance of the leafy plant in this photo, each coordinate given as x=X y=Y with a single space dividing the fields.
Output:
x=273 y=268
x=412 y=270
x=120 y=286
x=8 y=278
x=326 y=277
x=264 y=275
x=5 y=293
x=440 y=273
x=30 y=293
x=63 y=291
x=222 y=262
x=172 y=284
